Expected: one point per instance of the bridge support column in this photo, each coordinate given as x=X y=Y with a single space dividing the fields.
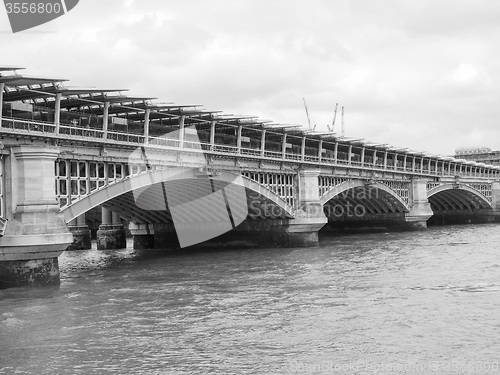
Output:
x=495 y=199
x=310 y=217
x=81 y=234
x=420 y=208
x=36 y=233
x=144 y=235
x=111 y=234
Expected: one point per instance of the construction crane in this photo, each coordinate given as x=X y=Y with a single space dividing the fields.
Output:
x=343 y=126
x=307 y=114
x=330 y=128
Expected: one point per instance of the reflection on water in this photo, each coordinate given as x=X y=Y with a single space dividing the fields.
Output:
x=388 y=299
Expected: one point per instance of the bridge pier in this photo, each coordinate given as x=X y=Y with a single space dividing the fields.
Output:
x=36 y=233
x=81 y=234
x=111 y=234
x=143 y=234
x=420 y=208
x=495 y=197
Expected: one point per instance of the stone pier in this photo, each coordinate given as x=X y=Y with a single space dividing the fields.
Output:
x=420 y=208
x=36 y=233
x=81 y=234
x=143 y=235
x=111 y=234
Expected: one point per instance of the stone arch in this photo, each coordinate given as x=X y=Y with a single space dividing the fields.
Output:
x=119 y=194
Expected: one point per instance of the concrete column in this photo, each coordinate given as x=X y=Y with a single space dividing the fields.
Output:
x=495 y=196
x=143 y=235
x=374 y=157
x=362 y=155
x=81 y=234
x=212 y=133
x=320 y=150
x=303 y=149
x=405 y=160
x=263 y=143
x=105 y=120
x=385 y=160
x=2 y=86
x=421 y=164
x=57 y=112
x=395 y=163
x=310 y=217
x=420 y=208
x=106 y=216
x=111 y=234
x=115 y=218
x=146 y=126
x=349 y=154
x=336 y=151
x=429 y=167
x=182 y=119
x=36 y=233
x=413 y=164
x=238 y=138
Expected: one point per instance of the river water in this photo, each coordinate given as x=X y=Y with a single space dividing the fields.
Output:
x=388 y=303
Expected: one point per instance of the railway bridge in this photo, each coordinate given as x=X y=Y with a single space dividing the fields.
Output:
x=179 y=176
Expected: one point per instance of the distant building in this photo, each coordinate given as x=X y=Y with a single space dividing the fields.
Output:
x=479 y=154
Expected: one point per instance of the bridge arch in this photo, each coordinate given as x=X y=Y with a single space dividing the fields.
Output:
x=452 y=197
x=374 y=197
x=121 y=196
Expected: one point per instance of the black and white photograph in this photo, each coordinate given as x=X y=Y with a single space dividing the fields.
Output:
x=249 y=187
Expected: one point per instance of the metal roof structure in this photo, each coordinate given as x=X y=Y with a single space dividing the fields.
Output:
x=51 y=95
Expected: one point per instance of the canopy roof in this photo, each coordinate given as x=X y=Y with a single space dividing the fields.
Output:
x=42 y=92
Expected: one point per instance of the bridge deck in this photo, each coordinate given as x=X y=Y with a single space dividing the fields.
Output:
x=329 y=154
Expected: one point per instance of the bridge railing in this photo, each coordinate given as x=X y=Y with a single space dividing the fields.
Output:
x=28 y=125
x=81 y=132
x=166 y=142
x=69 y=130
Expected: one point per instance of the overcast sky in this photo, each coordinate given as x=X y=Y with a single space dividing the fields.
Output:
x=418 y=74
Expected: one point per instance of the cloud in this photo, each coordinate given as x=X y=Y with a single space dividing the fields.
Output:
x=422 y=75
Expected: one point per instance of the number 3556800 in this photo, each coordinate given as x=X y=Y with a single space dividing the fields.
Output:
x=25 y=8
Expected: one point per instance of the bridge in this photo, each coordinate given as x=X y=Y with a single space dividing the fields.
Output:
x=179 y=175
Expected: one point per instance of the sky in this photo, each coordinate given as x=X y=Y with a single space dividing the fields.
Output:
x=423 y=75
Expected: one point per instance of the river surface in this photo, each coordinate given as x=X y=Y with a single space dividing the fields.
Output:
x=387 y=303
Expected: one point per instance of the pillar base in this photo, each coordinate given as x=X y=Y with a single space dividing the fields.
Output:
x=143 y=235
x=417 y=218
x=36 y=272
x=111 y=237
x=81 y=238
